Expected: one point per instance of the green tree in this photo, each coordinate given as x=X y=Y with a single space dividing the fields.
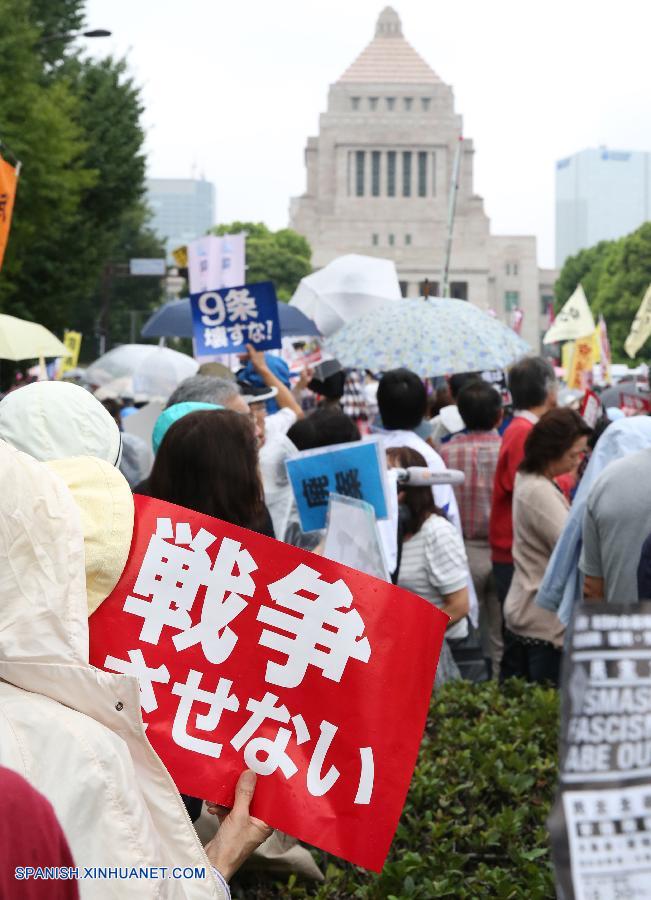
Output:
x=75 y=125
x=584 y=268
x=614 y=275
x=279 y=256
x=38 y=126
x=625 y=275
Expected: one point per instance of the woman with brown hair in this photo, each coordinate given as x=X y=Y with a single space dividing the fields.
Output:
x=533 y=635
x=433 y=561
x=208 y=462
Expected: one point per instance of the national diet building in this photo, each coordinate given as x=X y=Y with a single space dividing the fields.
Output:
x=378 y=183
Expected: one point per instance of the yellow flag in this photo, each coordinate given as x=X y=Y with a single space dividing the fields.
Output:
x=574 y=321
x=72 y=340
x=567 y=352
x=8 y=181
x=579 y=375
x=181 y=257
x=641 y=327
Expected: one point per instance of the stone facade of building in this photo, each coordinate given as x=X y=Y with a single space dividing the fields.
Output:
x=378 y=183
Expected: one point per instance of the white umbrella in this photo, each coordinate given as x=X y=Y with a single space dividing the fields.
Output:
x=347 y=287
x=154 y=371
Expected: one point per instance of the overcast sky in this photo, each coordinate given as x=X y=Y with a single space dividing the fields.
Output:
x=233 y=89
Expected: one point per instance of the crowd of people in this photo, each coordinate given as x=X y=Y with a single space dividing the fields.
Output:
x=550 y=509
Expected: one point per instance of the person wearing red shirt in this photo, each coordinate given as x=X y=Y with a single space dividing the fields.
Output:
x=31 y=836
x=532 y=384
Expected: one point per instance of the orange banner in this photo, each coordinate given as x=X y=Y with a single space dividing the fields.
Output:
x=8 y=179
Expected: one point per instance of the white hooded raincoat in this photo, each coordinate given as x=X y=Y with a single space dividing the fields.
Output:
x=73 y=731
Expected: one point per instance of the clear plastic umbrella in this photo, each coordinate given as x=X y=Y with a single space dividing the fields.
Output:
x=347 y=287
x=154 y=371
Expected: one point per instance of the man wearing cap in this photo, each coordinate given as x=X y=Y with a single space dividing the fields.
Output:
x=275 y=447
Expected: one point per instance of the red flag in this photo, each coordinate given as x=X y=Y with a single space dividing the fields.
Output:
x=251 y=652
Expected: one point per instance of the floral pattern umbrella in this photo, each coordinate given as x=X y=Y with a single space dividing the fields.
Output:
x=430 y=337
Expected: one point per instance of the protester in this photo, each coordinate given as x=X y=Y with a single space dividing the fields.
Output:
x=30 y=835
x=402 y=401
x=554 y=446
x=532 y=384
x=644 y=571
x=55 y=419
x=264 y=368
x=208 y=462
x=322 y=428
x=172 y=414
x=76 y=733
x=137 y=457
x=433 y=562
x=449 y=420
x=616 y=524
x=266 y=371
x=328 y=382
x=271 y=428
x=562 y=586
x=209 y=389
x=474 y=451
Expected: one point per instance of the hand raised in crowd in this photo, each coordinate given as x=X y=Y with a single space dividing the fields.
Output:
x=304 y=379
x=239 y=832
x=257 y=358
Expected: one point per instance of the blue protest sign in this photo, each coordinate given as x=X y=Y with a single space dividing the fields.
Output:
x=225 y=320
x=353 y=470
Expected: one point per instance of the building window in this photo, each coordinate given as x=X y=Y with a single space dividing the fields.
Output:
x=511 y=300
x=354 y=102
x=375 y=173
x=375 y=240
x=406 y=174
x=428 y=288
x=511 y=268
x=359 y=172
x=408 y=240
x=392 y=240
x=425 y=103
x=508 y=268
x=459 y=290
x=422 y=174
x=404 y=287
x=546 y=304
x=515 y=268
x=372 y=103
x=433 y=174
x=408 y=102
x=391 y=103
x=391 y=173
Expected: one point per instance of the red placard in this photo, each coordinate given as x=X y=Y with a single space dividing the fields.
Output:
x=254 y=653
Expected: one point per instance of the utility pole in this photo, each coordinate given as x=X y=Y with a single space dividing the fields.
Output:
x=452 y=207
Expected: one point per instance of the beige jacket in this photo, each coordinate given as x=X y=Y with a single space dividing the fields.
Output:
x=73 y=731
x=539 y=514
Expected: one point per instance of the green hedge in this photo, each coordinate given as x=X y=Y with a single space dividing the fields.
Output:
x=474 y=821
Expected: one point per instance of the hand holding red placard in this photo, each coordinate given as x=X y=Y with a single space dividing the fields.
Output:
x=253 y=653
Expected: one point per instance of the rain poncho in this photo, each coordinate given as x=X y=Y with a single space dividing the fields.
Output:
x=73 y=731
x=55 y=420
